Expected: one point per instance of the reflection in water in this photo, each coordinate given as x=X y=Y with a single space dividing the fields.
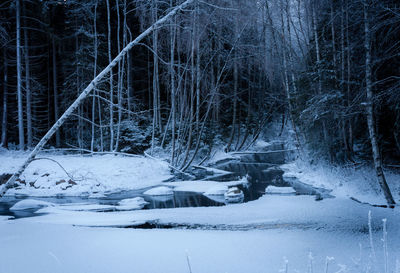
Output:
x=179 y=200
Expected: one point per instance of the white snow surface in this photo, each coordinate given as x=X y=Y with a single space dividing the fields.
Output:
x=279 y=190
x=65 y=249
x=159 y=191
x=93 y=174
x=264 y=234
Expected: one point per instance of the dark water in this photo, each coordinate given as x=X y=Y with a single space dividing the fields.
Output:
x=177 y=200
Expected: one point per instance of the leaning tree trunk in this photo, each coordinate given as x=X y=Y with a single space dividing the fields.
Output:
x=370 y=113
x=85 y=93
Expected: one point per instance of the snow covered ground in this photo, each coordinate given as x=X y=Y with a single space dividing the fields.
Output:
x=253 y=237
x=89 y=174
x=264 y=235
x=360 y=182
x=54 y=248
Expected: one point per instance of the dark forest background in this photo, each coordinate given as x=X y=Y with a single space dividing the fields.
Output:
x=219 y=73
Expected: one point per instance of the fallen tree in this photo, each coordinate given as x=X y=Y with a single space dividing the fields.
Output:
x=85 y=93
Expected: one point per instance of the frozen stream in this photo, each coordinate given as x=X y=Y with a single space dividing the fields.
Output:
x=178 y=200
x=260 y=168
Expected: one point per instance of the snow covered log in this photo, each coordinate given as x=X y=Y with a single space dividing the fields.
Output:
x=85 y=93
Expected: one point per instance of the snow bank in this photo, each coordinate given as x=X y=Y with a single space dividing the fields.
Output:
x=30 y=204
x=202 y=186
x=159 y=191
x=358 y=182
x=90 y=175
x=279 y=190
x=131 y=204
x=234 y=195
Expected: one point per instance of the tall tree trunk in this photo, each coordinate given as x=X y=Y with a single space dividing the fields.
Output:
x=19 y=81
x=342 y=77
x=28 y=95
x=285 y=57
x=173 y=89
x=156 y=84
x=235 y=86
x=370 y=111
x=94 y=75
x=198 y=77
x=78 y=84
x=319 y=71
x=111 y=78
x=191 y=95
x=350 y=129
x=120 y=77
x=129 y=67
x=55 y=90
x=5 y=91
x=333 y=39
x=289 y=49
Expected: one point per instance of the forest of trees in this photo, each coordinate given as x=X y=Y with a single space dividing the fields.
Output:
x=217 y=73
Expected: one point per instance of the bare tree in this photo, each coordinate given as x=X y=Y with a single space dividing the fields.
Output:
x=370 y=110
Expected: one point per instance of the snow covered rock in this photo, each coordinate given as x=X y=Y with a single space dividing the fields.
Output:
x=234 y=195
x=279 y=190
x=30 y=204
x=159 y=191
x=217 y=190
x=131 y=204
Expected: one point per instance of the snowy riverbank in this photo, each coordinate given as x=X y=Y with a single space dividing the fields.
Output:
x=357 y=182
x=83 y=175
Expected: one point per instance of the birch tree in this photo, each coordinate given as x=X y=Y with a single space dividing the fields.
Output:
x=162 y=21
